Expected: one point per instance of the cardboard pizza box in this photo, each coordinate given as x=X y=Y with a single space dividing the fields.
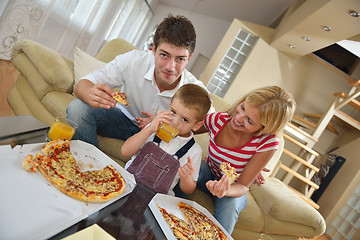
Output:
x=30 y=203
x=169 y=203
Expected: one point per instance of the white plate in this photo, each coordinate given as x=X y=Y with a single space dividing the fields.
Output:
x=31 y=204
x=169 y=203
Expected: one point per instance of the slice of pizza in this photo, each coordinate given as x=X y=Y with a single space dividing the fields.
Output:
x=102 y=185
x=229 y=171
x=121 y=98
x=180 y=228
x=56 y=147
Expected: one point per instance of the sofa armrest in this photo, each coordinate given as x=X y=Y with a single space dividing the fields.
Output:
x=49 y=64
x=283 y=207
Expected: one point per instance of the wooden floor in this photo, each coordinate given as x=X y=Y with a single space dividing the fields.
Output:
x=8 y=75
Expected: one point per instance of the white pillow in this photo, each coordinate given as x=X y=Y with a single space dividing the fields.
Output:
x=84 y=64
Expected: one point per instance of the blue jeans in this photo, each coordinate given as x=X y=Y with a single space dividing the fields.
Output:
x=227 y=209
x=104 y=122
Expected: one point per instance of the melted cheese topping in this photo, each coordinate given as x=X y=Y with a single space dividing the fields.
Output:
x=62 y=169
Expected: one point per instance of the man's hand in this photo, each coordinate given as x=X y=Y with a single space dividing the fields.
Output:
x=143 y=122
x=218 y=188
x=100 y=95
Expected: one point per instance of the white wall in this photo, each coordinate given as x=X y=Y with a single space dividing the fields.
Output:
x=209 y=30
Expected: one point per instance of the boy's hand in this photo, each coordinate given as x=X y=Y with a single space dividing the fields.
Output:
x=158 y=119
x=187 y=170
x=143 y=122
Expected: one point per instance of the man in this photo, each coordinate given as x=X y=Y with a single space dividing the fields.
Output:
x=149 y=79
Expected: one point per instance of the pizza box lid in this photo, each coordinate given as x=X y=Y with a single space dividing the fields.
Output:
x=169 y=203
x=30 y=203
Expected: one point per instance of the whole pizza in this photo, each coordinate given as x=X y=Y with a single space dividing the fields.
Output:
x=58 y=166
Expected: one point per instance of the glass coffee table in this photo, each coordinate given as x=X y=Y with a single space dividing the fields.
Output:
x=128 y=218
x=18 y=130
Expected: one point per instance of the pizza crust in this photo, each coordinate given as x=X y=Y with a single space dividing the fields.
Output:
x=229 y=171
x=58 y=145
x=29 y=163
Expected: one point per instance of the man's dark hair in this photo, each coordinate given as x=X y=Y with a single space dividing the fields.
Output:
x=178 y=31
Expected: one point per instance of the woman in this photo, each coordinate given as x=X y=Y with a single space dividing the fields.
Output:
x=245 y=137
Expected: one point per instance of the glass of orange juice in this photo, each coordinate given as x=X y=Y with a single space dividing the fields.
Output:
x=62 y=128
x=166 y=132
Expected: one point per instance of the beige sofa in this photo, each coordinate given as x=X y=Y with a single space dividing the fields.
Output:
x=44 y=90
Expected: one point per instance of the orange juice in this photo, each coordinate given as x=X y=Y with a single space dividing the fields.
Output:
x=167 y=132
x=60 y=130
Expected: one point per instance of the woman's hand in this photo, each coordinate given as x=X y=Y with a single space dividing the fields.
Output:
x=218 y=188
x=260 y=178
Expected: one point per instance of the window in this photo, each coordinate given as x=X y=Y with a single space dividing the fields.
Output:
x=64 y=25
x=232 y=62
x=131 y=21
x=347 y=223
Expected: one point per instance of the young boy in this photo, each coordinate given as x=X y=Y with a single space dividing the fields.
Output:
x=191 y=102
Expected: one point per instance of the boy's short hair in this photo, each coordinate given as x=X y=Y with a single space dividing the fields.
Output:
x=276 y=107
x=194 y=97
x=178 y=31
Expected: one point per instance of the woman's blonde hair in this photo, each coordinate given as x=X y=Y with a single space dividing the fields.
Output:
x=276 y=108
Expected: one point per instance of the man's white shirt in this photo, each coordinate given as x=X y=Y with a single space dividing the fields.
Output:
x=134 y=72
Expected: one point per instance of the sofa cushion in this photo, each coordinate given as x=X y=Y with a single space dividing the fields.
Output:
x=298 y=216
x=57 y=102
x=251 y=217
x=84 y=64
x=111 y=147
x=114 y=48
x=219 y=103
x=203 y=199
x=203 y=140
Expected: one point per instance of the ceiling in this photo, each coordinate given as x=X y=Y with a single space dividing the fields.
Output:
x=263 y=12
x=300 y=19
